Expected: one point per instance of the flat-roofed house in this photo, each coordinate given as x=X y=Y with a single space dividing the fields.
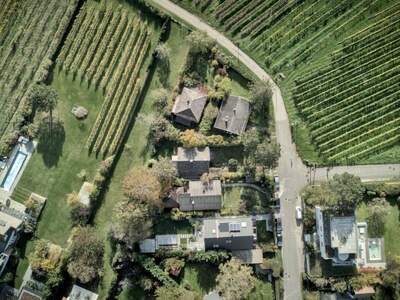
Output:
x=199 y=195
x=192 y=163
x=189 y=105
x=233 y=115
x=337 y=237
x=10 y=227
x=233 y=233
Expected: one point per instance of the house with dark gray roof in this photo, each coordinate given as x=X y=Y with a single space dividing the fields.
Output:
x=230 y=233
x=233 y=115
x=189 y=105
x=200 y=195
x=192 y=163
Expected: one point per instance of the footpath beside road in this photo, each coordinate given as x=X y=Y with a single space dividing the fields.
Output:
x=293 y=173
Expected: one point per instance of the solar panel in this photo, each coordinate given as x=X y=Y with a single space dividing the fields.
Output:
x=234 y=227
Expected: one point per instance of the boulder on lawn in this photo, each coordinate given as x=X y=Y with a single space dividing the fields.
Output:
x=79 y=112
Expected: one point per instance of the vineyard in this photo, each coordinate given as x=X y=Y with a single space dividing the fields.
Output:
x=30 y=33
x=353 y=105
x=282 y=33
x=107 y=47
x=348 y=101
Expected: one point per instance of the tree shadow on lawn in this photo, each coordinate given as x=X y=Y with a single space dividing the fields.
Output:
x=204 y=274
x=50 y=145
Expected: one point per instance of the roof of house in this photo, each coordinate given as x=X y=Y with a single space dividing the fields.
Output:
x=147 y=246
x=213 y=295
x=199 y=189
x=227 y=227
x=343 y=231
x=190 y=104
x=79 y=293
x=28 y=295
x=233 y=115
x=192 y=154
x=7 y=221
x=166 y=240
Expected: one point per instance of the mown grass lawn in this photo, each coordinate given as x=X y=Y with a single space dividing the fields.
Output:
x=392 y=225
x=237 y=200
x=52 y=171
x=201 y=277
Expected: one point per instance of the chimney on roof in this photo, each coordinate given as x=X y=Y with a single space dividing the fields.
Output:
x=226 y=119
x=188 y=102
x=234 y=111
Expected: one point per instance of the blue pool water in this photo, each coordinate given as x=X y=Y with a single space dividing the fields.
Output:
x=13 y=171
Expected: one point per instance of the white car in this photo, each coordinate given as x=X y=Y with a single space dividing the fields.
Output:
x=298 y=213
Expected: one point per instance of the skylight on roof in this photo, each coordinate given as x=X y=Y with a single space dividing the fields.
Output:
x=234 y=227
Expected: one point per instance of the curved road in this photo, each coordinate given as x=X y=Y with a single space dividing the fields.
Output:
x=292 y=172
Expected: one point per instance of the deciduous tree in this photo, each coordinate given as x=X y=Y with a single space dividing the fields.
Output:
x=43 y=98
x=199 y=42
x=250 y=139
x=132 y=222
x=261 y=96
x=142 y=185
x=165 y=171
x=86 y=252
x=267 y=154
x=377 y=211
x=235 y=281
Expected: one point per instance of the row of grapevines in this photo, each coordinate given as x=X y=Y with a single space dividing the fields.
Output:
x=72 y=35
x=327 y=96
x=102 y=48
x=85 y=42
x=119 y=50
x=378 y=125
x=350 y=120
x=111 y=48
x=130 y=76
x=342 y=135
x=78 y=40
x=94 y=45
x=117 y=86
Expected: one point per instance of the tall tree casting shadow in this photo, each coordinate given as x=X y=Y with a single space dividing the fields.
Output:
x=51 y=143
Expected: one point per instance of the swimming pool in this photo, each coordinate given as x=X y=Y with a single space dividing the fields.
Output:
x=13 y=171
x=374 y=250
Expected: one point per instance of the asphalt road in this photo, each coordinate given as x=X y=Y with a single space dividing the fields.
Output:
x=365 y=172
x=292 y=172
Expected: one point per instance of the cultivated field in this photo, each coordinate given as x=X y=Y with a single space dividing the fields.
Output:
x=340 y=63
x=352 y=106
x=106 y=48
x=30 y=33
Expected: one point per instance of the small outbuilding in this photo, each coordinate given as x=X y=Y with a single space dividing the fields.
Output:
x=233 y=115
x=189 y=105
x=84 y=193
x=79 y=293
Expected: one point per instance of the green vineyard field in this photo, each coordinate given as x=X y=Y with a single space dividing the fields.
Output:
x=30 y=33
x=107 y=48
